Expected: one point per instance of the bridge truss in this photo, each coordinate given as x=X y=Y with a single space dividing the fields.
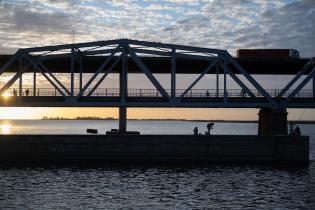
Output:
x=118 y=53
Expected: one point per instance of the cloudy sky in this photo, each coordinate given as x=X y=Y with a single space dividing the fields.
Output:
x=228 y=24
x=223 y=24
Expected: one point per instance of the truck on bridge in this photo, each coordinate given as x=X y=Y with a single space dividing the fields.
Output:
x=268 y=53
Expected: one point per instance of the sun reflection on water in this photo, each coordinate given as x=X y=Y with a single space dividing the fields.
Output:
x=5 y=128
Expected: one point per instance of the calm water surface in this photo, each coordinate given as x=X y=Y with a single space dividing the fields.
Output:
x=153 y=187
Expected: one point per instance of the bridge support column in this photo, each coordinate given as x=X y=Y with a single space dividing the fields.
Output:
x=122 y=119
x=272 y=122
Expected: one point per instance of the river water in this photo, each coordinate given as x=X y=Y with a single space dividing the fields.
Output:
x=153 y=186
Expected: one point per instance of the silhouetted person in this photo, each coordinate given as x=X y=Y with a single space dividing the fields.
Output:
x=242 y=93
x=14 y=92
x=291 y=130
x=297 y=131
x=27 y=91
x=196 y=131
x=209 y=127
x=207 y=94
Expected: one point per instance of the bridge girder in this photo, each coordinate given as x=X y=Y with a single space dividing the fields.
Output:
x=116 y=54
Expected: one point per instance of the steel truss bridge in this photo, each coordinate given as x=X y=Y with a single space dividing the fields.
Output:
x=125 y=56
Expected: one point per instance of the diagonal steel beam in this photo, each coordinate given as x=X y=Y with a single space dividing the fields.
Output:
x=103 y=65
x=56 y=80
x=211 y=65
x=301 y=85
x=105 y=75
x=147 y=72
x=9 y=62
x=309 y=64
x=43 y=73
x=239 y=82
x=13 y=79
x=252 y=81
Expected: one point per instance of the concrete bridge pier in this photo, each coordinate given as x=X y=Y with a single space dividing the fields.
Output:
x=272 y=122
x=122 y=119
x=122 y=129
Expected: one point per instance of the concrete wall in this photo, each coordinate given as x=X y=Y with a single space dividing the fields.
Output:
x=154 y=148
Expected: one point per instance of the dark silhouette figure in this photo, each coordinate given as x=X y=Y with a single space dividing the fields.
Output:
x=195 y=131
x=14 y=92
x=297 y=131
x=209 y=127
x=27 y=91
x=243 y=93
x=291 y=129
x=207 y=94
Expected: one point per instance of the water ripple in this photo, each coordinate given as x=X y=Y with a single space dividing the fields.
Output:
x=215 y=187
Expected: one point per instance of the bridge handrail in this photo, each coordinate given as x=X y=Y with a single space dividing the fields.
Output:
x=147 y=92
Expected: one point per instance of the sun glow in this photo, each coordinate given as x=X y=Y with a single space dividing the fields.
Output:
x=5 y=128
x=6 y=95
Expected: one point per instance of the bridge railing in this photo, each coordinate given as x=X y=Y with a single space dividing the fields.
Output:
x=134 y=92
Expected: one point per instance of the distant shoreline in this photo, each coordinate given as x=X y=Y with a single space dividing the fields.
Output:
x=193 y=120
x=183 y=120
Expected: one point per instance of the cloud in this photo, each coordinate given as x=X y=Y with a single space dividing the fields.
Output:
x=228 y=24
x=250 y=24
x=292 y=26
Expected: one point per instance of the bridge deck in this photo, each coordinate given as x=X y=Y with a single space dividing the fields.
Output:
x=193 y=102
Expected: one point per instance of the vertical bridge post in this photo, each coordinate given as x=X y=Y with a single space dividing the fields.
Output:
x=72 y=73
x=224 y=82
x=123 y=80
x=21 y=78
x=217 y=80
x=81 y=71
x=173 y=74
x=34 y=81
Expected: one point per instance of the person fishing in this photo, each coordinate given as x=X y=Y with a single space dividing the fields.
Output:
x=291 y=129
x=195 y=131
x=209 y=127
x=297 y=131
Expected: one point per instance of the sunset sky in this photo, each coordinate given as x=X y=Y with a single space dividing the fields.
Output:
x=228 y=24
